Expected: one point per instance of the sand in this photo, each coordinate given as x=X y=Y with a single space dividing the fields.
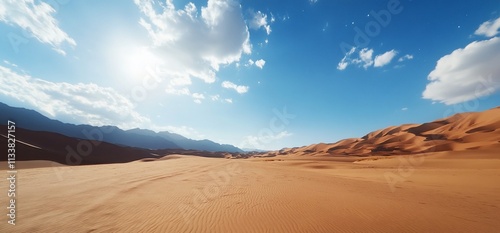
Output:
x=464 y=131
x=434 y=192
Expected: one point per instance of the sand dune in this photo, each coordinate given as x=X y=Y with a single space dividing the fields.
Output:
x=465 y=131
x=444 y=192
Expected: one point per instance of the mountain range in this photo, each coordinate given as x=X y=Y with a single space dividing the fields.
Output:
x=463 y=131
x=140 y=138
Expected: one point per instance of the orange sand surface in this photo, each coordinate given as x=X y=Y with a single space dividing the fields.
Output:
x=434 y=192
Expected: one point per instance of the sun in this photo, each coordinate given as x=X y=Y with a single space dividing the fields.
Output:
x=138 y=61
x=131 y=62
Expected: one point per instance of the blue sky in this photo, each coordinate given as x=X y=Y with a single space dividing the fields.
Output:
x=255 y=74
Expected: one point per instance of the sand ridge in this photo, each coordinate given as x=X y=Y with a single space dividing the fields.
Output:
x=464 y=131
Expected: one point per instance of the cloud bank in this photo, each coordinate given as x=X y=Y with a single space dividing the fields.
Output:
x=84 y=103
x=194 y=43
x=37 y=18
x=466 y=74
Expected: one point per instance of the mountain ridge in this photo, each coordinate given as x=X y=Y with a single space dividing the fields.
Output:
x=140 y=138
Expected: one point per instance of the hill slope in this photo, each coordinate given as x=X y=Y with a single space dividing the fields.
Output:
x=40 y=145
x=47 y=146
x=32 y=120
x=464 y=131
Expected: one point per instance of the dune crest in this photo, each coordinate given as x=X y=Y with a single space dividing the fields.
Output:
x=463 y=131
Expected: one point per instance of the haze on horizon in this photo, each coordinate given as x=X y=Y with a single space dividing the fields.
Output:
x=263 y=75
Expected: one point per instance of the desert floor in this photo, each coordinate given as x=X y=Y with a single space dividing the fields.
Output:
x=442 y=192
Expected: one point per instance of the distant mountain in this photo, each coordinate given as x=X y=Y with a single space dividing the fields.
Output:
x=186 y=143
x=147 y=139
x=41 y=145
x=47 y=146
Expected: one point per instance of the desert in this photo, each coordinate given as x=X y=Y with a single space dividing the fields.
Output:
x=305 y=189
x=446 y=192
x=235 y=116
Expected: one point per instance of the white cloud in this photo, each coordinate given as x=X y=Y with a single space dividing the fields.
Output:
x=259 y=20
x=346 y=59
x=342 y=65
x=365 y=58
x=405 y=57
x=197 y=97
x=177 y=91
x=215 y=97
x=384 y=59
x=84 y=103
x=313 y=1
x=191 y=42
x=222 y=100
x=260 y=63
x=36 y=18
x=466 y=74
x=404 y=109
x=489 y=28
x=239 y=89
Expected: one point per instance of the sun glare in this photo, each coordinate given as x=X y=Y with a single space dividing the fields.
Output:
x=138 y=61
x=133 y=62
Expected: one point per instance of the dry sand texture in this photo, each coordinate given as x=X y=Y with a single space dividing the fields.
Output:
x=441 y=192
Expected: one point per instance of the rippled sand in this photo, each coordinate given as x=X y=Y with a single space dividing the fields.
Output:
x=442 y=192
